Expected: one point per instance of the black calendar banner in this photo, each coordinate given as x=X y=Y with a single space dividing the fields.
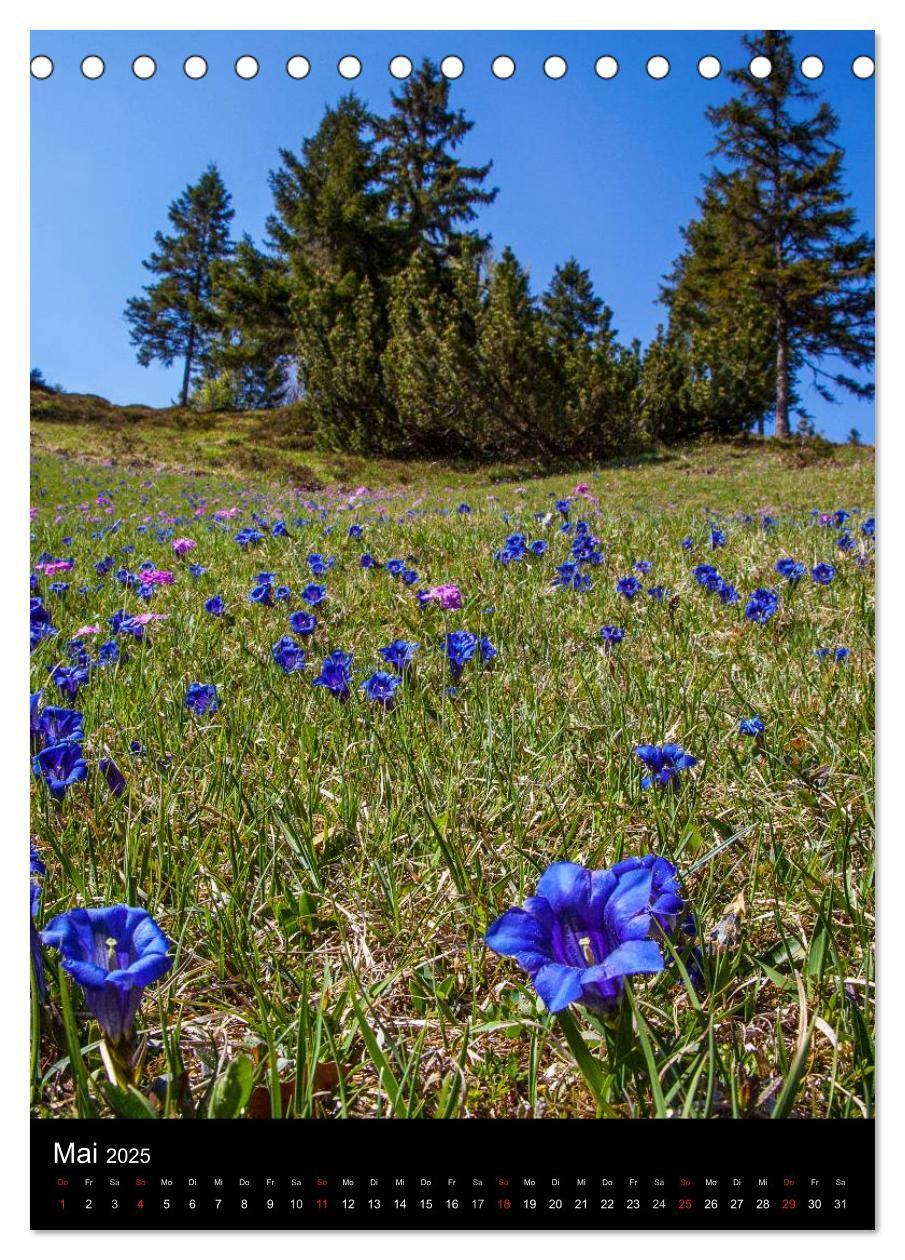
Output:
x=481 y=1174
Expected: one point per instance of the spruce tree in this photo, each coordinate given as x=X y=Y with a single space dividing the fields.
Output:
x=574 y=315
x=783 y=186
x=253 y=341
x=329 y=229
x=717 y=310
x=432 y=195
x=518 y=374
x=174 y=318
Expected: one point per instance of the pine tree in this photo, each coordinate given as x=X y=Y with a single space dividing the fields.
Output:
x=329 y=229
x=174 y=320
x=431 y=194
x=430 y=365
x=783 y=185
x=575 y=316
x=254 y=342
x=518 y=374
x=717 y=311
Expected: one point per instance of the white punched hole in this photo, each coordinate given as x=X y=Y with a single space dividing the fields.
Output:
x=92 y=67
x=503 y=67
x=760 y=67
x=812 y=67
x=863 y=67
x=247 y=67
x=657 y=67
x=606 y=67
x=144 y=67
x=709 y=67
x=349 y=67
x=555 y=67
x=195 y=67
x=401 y=67
x=41 y=67
x=298 y=67
x=452 y=67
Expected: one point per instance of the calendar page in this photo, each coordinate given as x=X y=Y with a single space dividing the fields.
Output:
x=452 y=629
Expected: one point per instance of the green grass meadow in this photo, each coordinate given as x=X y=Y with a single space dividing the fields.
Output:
x=326 y=871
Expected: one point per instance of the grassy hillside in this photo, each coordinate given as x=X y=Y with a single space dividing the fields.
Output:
x=278 y=447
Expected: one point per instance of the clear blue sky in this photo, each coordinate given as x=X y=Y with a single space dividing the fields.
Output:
x=604 y=170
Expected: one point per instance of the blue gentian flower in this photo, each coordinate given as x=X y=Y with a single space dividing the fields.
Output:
x=463 y=509
x=539 y=547
x=302 y=622
x=658 y=593
x=215 y=606
x=790 y=569
x=687 y=543
x=460 y=647
x=114 y=953
x=823 y=574
x=69 y=679
x=367 y=561
x=34 y=720
x=585 y=931
x=394 y=567
x=116 y=780
x=762 y=605
x=717 y=538
x=262 y=594
x=197 y=570
x=409 y=577
x=727 y=592
x=60 y=766
x=837 y=654
x=336 y=674
x=248 y=536
x=628 y=587
x=37 y=868
x=569 y=577
x=486 y=649
x=869 y=527
x=665 y=762
x=751 y=726
x=108 y=652
x=642 y=566
x=355 y=531
x=563 y=506
x=399 y=654
x=313 y=594
x=288 y=655
x=381 y=687
x=612 y=635
x=202 y=698
x=60 y=726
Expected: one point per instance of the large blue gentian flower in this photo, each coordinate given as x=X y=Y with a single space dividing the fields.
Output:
x=664 y=761
x=60 y=726
x=288 y=655
x=585 y=931
x=114 y=953
x=60 y=766
x=399 y=654
x=381 y=687
x=202 y=698
x=336 y=674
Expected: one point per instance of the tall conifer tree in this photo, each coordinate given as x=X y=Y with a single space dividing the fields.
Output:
x=174 y=318
x=783 y=187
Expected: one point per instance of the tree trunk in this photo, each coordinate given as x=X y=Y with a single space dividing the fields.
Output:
x=187 y=374
x=782 y=378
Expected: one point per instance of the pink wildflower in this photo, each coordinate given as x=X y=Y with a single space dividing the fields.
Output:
x=182 y=546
